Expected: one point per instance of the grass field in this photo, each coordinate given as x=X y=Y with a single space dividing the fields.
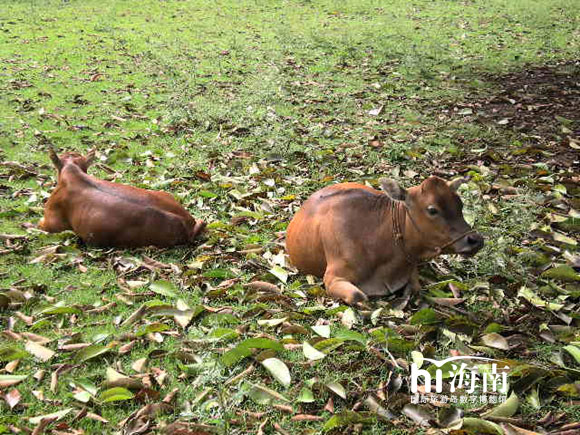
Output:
x=242 y=109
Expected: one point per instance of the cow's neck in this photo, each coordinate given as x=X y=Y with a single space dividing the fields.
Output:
x=71 y=169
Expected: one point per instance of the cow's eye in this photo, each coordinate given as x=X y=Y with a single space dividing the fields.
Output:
x=432 y=210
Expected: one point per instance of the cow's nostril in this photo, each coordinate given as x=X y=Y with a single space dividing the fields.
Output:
x=472 y=240
x=471 y=244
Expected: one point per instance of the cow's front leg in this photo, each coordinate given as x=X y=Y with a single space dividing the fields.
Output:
x=414 y=284
x=412 y=289
x=52 y=222
x=341 y=288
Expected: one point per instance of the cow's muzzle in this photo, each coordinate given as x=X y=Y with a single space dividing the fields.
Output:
x=469 y=245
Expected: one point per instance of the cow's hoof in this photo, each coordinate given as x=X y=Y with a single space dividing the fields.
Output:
x=357 y=299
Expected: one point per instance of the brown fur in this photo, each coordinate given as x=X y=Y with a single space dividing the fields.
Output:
x=111 y=214
x=344 y=233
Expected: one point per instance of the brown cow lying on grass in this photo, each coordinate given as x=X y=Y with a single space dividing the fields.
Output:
x=102 y=213
x=364 y=242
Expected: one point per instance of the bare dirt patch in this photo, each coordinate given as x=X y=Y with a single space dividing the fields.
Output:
x=541 y=105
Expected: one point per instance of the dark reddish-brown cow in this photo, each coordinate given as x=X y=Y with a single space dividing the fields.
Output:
x=110 y=214
x=365 y=242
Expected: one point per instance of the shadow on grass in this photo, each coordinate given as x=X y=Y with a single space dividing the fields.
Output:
x=541 y=105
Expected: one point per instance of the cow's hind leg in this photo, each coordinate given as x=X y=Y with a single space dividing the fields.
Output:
x=198 y=229
x=341 y=288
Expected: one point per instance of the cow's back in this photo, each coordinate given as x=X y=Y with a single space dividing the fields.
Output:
x=312 y=229
x=158 y=199
x=110 y=214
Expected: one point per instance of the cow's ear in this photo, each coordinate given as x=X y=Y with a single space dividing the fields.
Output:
x=90 y=157
x=455 y=183
x=54 y=158
x=392 y=189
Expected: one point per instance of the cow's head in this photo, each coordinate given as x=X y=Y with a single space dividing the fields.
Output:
x=71 y=157
x=436 y=209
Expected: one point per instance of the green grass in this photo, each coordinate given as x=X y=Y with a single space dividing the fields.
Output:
x=169 y=91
